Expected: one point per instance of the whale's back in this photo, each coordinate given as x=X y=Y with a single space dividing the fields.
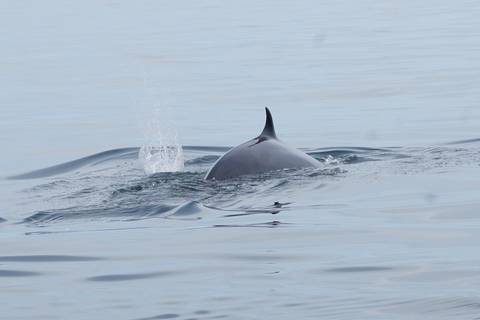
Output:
x=257 y=156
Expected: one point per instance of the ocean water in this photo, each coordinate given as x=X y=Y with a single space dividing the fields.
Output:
x=112 y=113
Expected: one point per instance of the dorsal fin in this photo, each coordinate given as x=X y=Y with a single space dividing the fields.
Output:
x=269 y=129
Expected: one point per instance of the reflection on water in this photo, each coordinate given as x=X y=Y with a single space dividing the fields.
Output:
x=17 y=273
x=132 y=276
x=359 y=269
x=162 y=316
x=46 y=258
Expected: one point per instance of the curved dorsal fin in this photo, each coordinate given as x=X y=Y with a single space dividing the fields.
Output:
x=269 y=129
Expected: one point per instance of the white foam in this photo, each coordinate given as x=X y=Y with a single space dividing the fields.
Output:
x=162 y=151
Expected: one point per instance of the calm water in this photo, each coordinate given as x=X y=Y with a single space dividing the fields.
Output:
x=385 y=94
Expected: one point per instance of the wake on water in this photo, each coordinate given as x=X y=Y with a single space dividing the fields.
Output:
x=112 y=184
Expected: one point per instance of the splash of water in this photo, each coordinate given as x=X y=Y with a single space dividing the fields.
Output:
x=162 y=151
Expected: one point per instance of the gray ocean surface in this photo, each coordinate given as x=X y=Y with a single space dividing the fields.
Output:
x=386 y=94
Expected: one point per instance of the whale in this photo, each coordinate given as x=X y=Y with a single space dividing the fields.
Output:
x=261 y=154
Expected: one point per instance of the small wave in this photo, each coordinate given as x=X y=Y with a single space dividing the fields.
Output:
x=202 y=160
x=131 y=276
x=189 y=210
x=97 y=212
x=217 y=149
x=17 y=273
x=79 y=163
x=455 y=307
x=110 y=155
x=353 y=155
x=270 y=224
x=48 y=258
x=467 y=141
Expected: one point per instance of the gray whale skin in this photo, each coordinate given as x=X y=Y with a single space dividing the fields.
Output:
x=261 y=154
